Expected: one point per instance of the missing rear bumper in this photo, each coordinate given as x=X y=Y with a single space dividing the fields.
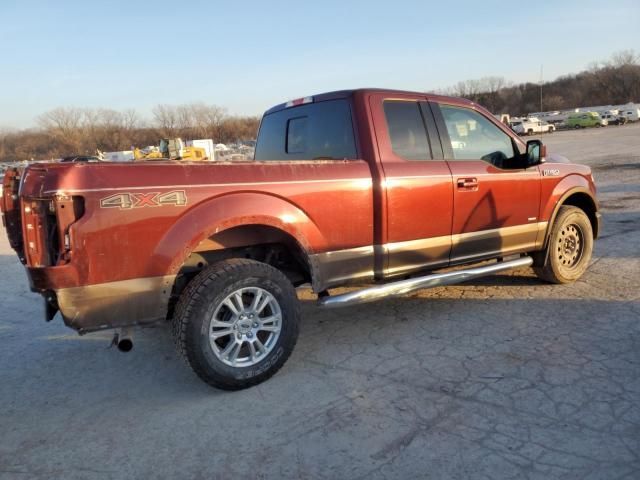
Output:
x=115 y=304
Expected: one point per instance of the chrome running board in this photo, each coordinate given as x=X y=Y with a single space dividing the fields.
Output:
x=403 y=287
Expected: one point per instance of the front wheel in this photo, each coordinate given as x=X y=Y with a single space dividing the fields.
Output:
x=236 y=323
x=569 y=247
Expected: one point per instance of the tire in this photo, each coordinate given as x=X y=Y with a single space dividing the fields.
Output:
x=251 y=343
x=529 y=133
x=569 y=247
x=577 y=127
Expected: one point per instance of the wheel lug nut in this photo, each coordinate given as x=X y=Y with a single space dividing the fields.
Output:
x=249 y=334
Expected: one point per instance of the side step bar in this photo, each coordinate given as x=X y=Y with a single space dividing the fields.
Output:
x=403 y=287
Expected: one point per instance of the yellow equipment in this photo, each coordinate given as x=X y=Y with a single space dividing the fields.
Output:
x=174 y=149
x=139 y=154
x=179 y=151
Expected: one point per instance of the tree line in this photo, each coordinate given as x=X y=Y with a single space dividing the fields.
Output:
x=73 y=131
x=612 y=82
x=81 y=131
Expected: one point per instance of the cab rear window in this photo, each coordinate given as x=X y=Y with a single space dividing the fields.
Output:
x=315 y=131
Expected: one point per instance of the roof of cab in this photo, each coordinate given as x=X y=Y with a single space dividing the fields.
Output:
x=348 y=93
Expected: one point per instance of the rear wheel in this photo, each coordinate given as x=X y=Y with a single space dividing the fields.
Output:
x=569 y=247
x=236 y=323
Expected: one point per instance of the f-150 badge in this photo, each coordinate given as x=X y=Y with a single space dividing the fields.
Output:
x=125 y=201
x=551 y=173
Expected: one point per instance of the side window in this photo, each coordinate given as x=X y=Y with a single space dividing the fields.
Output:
x=406 y=130
x=474 y=137
x=322 y=130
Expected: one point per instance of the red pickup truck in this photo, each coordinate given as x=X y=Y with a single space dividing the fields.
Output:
x=372 y=187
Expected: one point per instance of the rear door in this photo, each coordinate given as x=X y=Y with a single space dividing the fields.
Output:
x=495 y=198
x=417 y=187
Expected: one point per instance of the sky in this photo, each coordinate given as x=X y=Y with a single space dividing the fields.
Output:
x=247 y=56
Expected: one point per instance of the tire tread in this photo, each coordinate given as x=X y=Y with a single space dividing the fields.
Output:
x=543 y=265
x=211 y=278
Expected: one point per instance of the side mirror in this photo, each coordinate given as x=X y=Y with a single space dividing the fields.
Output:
x=536 y=153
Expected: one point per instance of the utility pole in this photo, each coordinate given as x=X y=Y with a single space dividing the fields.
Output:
x=541 y=87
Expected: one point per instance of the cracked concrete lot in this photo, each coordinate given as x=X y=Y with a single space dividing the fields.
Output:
x=505 y=377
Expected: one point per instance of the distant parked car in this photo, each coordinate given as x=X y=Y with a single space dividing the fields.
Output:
x=632 y=115
x=547 y=126
x=613 y=119
x=531 y=126
x=585 y=120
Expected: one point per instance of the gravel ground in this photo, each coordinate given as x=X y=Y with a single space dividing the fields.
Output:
x=502 y=378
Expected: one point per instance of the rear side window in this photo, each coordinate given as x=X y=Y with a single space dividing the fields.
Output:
x=313 y=131
x=406 y=130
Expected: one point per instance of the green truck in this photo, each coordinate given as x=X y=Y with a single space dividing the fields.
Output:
x=585 y=119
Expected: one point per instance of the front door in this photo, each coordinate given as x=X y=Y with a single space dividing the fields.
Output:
x=496 y=199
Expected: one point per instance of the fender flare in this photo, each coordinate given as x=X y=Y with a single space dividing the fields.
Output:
x=582 y=188
x=231 y=210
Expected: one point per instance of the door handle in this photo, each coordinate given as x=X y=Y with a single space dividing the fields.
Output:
x=468 y=183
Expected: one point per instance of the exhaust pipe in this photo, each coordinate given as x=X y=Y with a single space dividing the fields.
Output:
x=123 y=339
x=403 y=287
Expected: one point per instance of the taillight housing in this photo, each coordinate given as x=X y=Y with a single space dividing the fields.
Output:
x=10 y=207
x=45 y=224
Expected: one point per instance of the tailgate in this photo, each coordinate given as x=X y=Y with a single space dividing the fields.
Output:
x=10 y=207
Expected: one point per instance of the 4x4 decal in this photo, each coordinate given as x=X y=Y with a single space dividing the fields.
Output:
x=125 y=201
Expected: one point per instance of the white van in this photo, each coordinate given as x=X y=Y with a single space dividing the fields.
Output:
x=631 y=114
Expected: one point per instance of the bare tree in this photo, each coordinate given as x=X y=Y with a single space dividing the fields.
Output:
x=184 y=117
x=624 y=58
x=130 y=119
x=166 y=119
x=210 y=120
x=64 y=124
x=61 y=120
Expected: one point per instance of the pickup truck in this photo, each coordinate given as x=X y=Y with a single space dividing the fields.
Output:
x=531 y=126
x=377 y=188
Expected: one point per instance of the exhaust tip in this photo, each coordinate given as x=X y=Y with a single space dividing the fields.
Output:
x=125 y=345
x=123 y=339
